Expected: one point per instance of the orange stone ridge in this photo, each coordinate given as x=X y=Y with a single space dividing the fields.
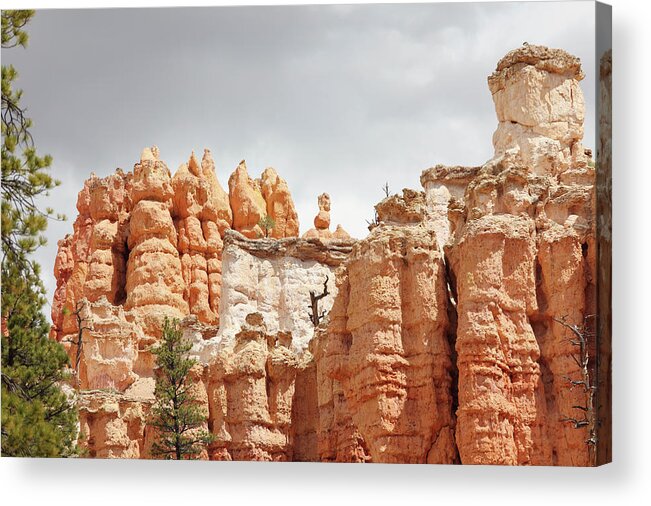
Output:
x=442 y=336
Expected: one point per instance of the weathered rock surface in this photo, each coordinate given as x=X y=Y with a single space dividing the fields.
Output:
x=445 y=188
x=274 y=278
x=246 y=197
x=64 y=264
x=145 y=246
x=202 y=213
x=114 y=425
x=280 y=206
x=540 y=108
x=71 y=277
x=522 y=254
x=518 y=237
x=406 y=209
x=154 y=284
x=251 y=387
x=386 y=350
x=500 y=403
x=447 y=335
x=110 y=205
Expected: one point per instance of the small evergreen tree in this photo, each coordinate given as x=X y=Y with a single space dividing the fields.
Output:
x=38 y=420
x=267 y=224
x=176 y=415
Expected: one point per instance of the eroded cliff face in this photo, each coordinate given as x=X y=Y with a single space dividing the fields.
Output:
x=146 y=246
x=153 y=243
x=517 y=239
x=260 y=373
x=274 y=278
x=444 y=336
x=386 y=350
x=522 y=255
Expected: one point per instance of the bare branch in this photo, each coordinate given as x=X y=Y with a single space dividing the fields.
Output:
x=582 y=360
x=315 y=315
x=80 y=305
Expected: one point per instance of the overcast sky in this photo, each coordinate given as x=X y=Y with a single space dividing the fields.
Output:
x=337 y=98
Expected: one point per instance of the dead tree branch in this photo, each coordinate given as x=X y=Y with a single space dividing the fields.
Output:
x=582 y=360
x=81 y=326
x=374 y=222
x=315 y=316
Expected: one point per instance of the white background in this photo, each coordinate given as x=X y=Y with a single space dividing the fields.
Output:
x=626 y=481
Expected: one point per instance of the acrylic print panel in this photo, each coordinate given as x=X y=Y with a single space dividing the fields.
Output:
x=255 y=284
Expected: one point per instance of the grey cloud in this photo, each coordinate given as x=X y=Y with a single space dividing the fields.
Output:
x=337 y=98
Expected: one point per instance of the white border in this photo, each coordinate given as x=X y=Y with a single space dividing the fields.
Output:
x=626 y=481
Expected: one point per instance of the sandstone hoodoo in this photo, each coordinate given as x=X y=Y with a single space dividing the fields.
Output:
x=447 y=335
x=321 y=228
x=246 y=198
x=280 y=207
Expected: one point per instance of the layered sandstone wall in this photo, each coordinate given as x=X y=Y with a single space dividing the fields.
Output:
x=448 y=334
x=260 y=376
x=509 y=249
x=386 y=351
x=146 y=246
x=153 y=243
x=522 y=254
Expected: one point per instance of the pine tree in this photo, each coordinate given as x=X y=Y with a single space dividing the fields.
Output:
x=176 y=415
x=38 y=420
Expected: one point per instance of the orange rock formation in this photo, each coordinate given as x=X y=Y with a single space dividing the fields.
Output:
x=448 y=331
x=145 y=246
x=280 y=206
x=386 y=351
x=246 y=198
x=321 y=228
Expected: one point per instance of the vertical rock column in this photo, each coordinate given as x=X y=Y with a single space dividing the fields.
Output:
x=95 y=286
x=217 y=217
x=251 y=388
x=110 y=204
x=64 y=264
x=444 y=186
x=501 y=405
x=321 y=228
x=71 y=279
x=155 y=284
x=247 y=203
x=202 y=215
x=540 y=108
x=338 y=440
x=280 y=206
x=109 y=343
x=520 y=235
x=394 y=358
x=562 y=292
